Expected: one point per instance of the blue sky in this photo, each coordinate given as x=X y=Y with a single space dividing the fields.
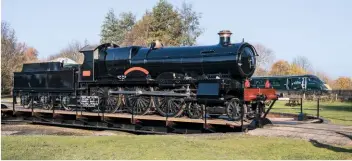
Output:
x=321 y=30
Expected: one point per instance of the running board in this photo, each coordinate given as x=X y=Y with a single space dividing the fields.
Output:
x=151 y=93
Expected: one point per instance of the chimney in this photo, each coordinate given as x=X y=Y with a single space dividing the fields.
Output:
x=225 y=37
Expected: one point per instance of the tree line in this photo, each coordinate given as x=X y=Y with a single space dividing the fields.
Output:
x=172 y=26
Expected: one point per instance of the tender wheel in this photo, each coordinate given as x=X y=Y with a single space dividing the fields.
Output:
x=46 y=102
x=138 y=105
x=26 y=101
x=64 y=103
x=170 y=106
x=195 y=110
x=233 y=109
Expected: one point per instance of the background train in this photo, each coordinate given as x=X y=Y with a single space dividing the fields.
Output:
x=299 y=83
x=169 y=81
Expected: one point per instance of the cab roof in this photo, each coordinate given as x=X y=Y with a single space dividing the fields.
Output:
x=285 y=76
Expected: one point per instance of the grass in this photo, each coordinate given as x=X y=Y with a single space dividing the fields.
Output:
x=165 y=147
x=337 y=112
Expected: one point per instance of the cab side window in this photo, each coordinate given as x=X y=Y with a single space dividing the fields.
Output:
x=312 y=80
x=313 y=83
x=297 y=83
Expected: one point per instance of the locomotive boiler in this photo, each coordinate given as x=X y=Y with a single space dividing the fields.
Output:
x=170 y=81
x=234 y=60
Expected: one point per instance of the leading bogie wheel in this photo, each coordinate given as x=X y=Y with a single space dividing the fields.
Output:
x=233 y=109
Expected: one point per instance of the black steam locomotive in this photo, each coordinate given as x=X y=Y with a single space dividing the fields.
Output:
x=170 y=81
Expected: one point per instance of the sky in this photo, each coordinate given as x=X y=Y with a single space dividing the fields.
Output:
x=320 y=30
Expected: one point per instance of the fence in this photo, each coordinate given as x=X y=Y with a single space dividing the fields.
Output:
x=313 y=95
x=339 y=112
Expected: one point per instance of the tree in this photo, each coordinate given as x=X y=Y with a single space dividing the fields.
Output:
x=166 y=24
x=280 y=67
x=139 y=35
x=260 y=72
x=303 y=62
x=71 y=52
x=190 y=25
x=296 y=70
x=30 y=55
x=171 y=26
x=265 y=58
x=343 y=83
x=114 y=29
x=13 y=55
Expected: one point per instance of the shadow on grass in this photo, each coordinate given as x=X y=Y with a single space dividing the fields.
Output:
x=329 y=147
x=345 y=107
x=334 y=118
x=345 y=135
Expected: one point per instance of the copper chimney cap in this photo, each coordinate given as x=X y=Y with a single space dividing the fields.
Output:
x=225 y=33
x=225 y=37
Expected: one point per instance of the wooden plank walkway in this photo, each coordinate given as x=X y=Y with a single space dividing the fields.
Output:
x=128 y=116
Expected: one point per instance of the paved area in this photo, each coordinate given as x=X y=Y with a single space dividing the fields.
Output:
x=325 y=133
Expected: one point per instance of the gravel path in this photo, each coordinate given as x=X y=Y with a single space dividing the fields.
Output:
x=325 y=133
x=28 y=129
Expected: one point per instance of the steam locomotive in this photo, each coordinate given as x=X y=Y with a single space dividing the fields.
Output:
x=169 y=81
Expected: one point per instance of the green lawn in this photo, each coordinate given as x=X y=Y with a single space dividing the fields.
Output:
x=336 y=112
x=166 y=147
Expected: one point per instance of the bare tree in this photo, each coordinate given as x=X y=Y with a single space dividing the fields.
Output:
x=13 y=55
x=260 y=72
x=265 y=58
x=71 y=52
x=303 y=62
